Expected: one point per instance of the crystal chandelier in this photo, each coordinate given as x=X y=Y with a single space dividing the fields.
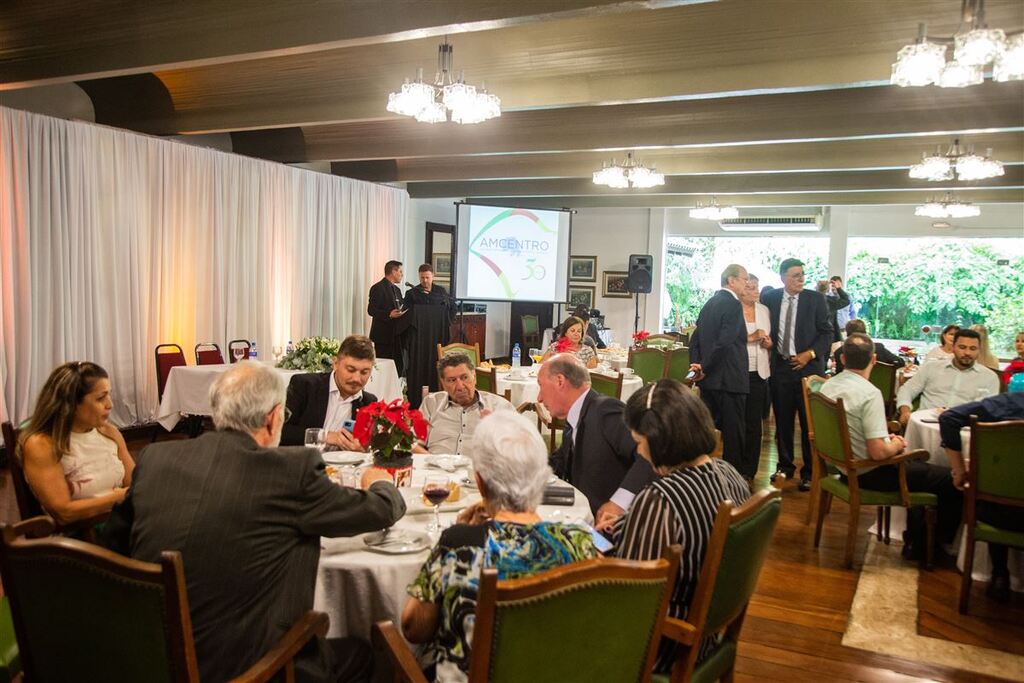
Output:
x=924 y=62
x=631 y=173
x=431 y=102
x=714 y=212
x=966 y=164
x=947 y=207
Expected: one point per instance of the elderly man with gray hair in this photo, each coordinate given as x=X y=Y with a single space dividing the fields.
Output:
x=503 y=532
x=597 y=455
x=247 y=517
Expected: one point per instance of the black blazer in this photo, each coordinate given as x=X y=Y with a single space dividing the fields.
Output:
x=604 y=458
x=385 y=296
x=247 y=521
x=719 y=344
x=811 y=330
x=835 y=304
x=307 y=401
x=883 y=354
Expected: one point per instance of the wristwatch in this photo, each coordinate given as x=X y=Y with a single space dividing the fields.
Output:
x=813 y=354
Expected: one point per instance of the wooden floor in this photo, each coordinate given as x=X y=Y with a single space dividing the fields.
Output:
x=796 y=620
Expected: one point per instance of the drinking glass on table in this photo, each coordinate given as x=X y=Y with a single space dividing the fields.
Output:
x=278 y=352
x=316 y=438
x=436 y=490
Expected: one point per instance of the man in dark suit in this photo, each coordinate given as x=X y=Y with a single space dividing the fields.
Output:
x=247 y=517
x=328 y=400
x=882 y=354
x=801 y=337
x=387 y=310
x=718 y=353
x=597 y=455
x=431 y=313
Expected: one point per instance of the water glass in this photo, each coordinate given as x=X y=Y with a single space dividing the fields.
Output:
x=238 y=352
x=315 y=438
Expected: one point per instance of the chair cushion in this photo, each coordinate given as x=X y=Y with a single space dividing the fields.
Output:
x=868 y=497
x=991 y=534
x=10 y=661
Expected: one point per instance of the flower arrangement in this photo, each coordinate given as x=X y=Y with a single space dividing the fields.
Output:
x=563 y=345
x=640 y=338
x=908 y=352
x=389 y=429
x=312 y=354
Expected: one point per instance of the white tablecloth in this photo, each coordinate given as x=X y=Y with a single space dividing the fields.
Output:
x=356 y=587
x=923 y=432
x=188 y=388
x=525 y=389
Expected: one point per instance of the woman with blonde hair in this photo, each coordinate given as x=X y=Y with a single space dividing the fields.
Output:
x=985 y=356
x=75 y=461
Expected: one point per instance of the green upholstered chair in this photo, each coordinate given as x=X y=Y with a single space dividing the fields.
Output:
x=609 y=385
x=661 y=341
x=10 y=660
x=677 y=365
x=808 y=386
x=883 y=376
x=487 y=380
x=736 y=552
x=531 y=330
x=554 y=626
x=648 y=364
x=83 y=613
x=830 y=443
x=995 y=474
x=471 y=350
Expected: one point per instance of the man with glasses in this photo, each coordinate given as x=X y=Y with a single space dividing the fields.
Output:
x=718 y=351
x=801 y=335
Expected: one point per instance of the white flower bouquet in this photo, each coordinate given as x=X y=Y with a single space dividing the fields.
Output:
x=312 y=354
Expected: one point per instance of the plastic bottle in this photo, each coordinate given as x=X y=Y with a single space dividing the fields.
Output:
x=253 y=354
x=290 y=348
x=517 y=357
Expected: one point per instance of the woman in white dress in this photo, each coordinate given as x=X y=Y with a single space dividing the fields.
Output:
x=944 y=351
x=76 y=462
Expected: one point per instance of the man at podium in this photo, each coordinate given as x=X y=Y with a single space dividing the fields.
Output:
x=431 y=311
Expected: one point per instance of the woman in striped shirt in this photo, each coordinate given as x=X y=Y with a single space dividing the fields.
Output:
x=674 y=431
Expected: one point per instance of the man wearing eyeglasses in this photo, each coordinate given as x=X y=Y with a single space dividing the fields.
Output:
x=801 y=335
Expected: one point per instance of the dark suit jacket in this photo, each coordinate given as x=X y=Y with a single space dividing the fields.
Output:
x=604 y=458
x=385 y=296
x=307 y=400
x=884 y=355
x=247 y=521
x=835 y=304
x=719 y=344
x=811 y=330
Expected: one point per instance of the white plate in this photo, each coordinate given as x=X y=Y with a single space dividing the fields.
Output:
x=343 y=457
x=397 y=542
x=448 y=463
x=415 y=505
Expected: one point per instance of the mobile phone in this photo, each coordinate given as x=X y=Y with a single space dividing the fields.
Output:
x=691 y=374
x=600 y=542
x=348 y=425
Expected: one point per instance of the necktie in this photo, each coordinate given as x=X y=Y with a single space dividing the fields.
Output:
x=567 y=442
x=786 y=327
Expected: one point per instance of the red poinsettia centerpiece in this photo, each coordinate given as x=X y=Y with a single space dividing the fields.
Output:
x=907 y=351
x=640 y=337
x=389 y=429
x=563 y=345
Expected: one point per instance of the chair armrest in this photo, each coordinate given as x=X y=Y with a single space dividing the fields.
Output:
x=86 y=526
x=311 y=624
x=34 y=527
x=894 y=427
x=387 y=639
x=678 y=630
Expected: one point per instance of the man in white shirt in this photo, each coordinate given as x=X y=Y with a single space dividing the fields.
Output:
x=454 y=413
x=942 y=384
x=870 y=440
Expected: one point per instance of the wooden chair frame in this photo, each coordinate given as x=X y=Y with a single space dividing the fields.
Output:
x=850 y=467
x=690 y=633
x=492 y=373
x=648 y=351
x=456 y=346
x=161 y=381
x=669 y=354
x=671 y=338
x=972 y=496
x=616 y=379
x=567 y=577
x=169 y=574
x=890 y=400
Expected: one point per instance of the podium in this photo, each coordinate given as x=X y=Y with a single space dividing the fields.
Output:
x=428 y=328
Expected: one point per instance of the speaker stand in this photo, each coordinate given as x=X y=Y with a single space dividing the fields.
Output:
x=636 y=319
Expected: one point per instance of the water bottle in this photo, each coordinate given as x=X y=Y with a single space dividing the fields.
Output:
x=290 y=348
x=252 y=350
x=517 y=357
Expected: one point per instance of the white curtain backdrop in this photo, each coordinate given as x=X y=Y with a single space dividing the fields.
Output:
x=113 y=242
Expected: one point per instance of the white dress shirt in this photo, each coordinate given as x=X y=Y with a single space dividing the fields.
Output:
x=621 y=497
x=451 y=425
x=783 y=312
x=338 y=409
x=944 y=385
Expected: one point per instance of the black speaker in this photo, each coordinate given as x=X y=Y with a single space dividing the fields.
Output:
x=640 y=274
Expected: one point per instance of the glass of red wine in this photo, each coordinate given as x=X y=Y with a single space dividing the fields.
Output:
x=436 y=490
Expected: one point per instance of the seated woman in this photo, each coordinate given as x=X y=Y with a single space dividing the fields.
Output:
x=674 y=432
x=570 y=340
x=1017 y=364
x=503 y=532
x=76 y=462
x=944 y=351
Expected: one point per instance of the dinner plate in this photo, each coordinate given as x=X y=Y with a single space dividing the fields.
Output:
x=397 y=542
x=415 y=505
x=344 y=457
x=448 y=463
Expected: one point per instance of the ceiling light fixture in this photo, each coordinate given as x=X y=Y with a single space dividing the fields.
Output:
x=947 y=207
x=630 y=173
x=430 y=103
x=966 y=164
x=924 y=61
x=714 y=212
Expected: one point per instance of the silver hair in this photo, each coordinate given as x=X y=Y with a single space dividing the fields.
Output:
x=570 y=367
x=242 y=396
x=511 y=459
x=731 y=270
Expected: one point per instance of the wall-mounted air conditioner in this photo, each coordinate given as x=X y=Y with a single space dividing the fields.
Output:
x=772 y=224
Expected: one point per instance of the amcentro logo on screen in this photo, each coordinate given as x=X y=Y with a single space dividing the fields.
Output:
x=512 y=244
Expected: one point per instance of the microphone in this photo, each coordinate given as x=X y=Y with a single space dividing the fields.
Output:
x=409 y=284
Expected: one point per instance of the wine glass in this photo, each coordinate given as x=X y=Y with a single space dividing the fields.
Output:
x=436 y=490
x=315 y=438
x=238 y=352
x=278 y=352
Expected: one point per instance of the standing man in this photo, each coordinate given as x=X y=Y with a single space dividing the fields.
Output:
x=718 y=350
x=844 y=315
x=802 y=335
x=838 y=301
x=387 y=309
x=431 y=312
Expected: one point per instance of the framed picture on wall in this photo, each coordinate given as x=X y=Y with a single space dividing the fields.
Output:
x=442 y=264
x=614 y=284
x=581 y=296
x=444 y=282
x=583 y=268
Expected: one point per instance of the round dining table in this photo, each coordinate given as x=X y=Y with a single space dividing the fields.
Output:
x=524 y=387
x=357 y=587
